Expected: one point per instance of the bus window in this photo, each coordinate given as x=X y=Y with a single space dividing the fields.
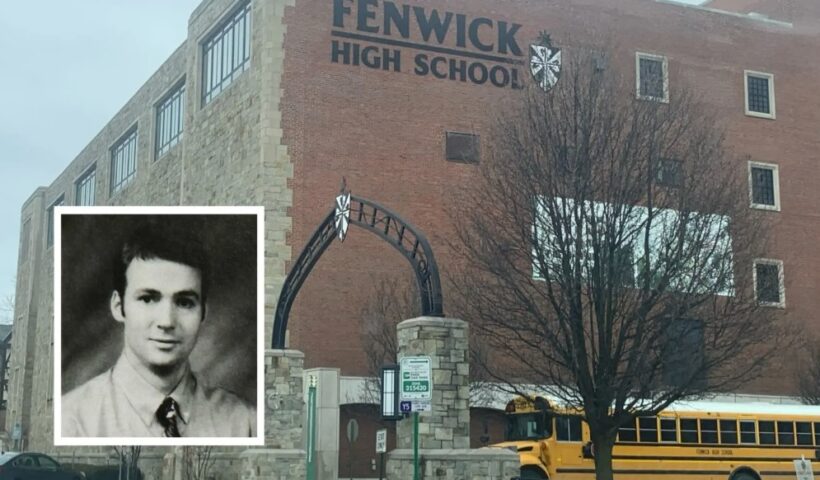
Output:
x=747 y=431
x=688 y=430
x=568 y=428
x=803 y=433
x=785 y=433
x=708 y=431
x=817 y=433
x=528 y=426
x=627 y=433
x=648 y=429
x=766 y=432
x=669 y=431
x=728 y=432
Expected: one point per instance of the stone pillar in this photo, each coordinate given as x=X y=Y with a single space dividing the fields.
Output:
x=327 y=421
x=444 y=340
x=284 y=403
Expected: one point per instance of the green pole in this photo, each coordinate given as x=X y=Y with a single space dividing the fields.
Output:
x=311 y=436
x=416 y=446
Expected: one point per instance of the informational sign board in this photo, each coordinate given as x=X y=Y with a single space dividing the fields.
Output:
x=381 y=440
x=416 y=381
x=803 y=469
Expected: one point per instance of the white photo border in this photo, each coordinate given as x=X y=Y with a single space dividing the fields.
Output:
x=259 y=439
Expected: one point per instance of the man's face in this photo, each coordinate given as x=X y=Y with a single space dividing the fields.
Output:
x=162 y=311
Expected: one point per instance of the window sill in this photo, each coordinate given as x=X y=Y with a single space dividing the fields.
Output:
x=763 y=206
x=768 y=116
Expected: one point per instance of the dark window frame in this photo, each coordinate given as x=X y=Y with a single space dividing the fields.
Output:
x=762 y=295
x=229 y=42
x=653 y=89
x=124 y=160
x=169 y=120
x=85 y=187
x=759 y=98
x=764 y=186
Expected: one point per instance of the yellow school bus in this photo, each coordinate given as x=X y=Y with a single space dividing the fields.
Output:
x=689 y=440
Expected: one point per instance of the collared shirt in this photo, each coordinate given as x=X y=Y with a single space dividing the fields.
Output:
x=120 y=403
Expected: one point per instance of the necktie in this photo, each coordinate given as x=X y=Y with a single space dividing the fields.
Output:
x=167 y=414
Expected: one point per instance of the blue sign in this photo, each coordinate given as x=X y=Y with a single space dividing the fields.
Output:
x=406 y=407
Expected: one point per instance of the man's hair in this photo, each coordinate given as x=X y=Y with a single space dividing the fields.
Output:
x=178 y=239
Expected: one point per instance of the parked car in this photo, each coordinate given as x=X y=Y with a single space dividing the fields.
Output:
x=34 y=466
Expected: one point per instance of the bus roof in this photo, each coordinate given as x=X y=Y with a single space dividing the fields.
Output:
x=749 y=408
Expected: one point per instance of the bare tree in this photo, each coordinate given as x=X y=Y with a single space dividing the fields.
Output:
x=608 y=247
x=197 y=462
x=129 y=457
x=808 y=375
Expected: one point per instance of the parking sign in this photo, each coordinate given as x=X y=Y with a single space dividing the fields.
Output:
x=416 y=381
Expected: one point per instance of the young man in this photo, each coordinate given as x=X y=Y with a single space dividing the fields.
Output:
x=159 y=296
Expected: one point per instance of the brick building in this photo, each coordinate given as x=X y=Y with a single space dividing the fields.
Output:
x=307 y=92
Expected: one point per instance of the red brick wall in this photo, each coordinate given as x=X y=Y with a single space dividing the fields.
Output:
x=384 y=132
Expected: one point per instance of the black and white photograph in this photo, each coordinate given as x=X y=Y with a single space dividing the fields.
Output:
x=158 y=326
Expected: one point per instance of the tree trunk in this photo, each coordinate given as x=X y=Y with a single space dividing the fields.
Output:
x=603 y=457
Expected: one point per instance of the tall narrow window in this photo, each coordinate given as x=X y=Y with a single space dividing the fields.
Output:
x=124 y=161
x=85 y=187
x=764 y=186
x=759 y=94
x=652 y=81
x=170 y=120
x=226 y=53
x=768 y=281
x=50 y=220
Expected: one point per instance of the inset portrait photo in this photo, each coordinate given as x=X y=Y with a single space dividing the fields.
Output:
x=158 y=335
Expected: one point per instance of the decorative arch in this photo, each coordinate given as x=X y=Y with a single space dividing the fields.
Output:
x=405 y=238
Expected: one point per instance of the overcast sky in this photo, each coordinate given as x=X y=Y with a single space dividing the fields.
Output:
x=67 y=68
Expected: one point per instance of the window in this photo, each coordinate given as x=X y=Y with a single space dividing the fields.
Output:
x=785 y=433
x=170 y=119
x=688 y=430
x=627 y=433
x=668 y=430
x=668 y=172
x=768 y=281
x=462 y=147
x=728 y=432
x=124 y=161
x=764 y=187
x=708 y=431
x=648 y=429
x=759 y=94
x=766 y=432
x=652 y=81
x=568 y=428
x=817 y=433
x=747 y=432
x=226 y=53
x=803 y=433
x=50 y=219
x=85 y=186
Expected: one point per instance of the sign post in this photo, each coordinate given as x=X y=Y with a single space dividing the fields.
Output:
x=381 y=448
x=311 y=425
x=416 y=393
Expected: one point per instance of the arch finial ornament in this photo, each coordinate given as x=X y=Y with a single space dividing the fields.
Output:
x=351 y=210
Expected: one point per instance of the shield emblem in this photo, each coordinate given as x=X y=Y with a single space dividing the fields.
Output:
x=545 y=65
x=342 y=217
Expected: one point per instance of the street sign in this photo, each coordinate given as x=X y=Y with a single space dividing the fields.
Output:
x=416 y=381
x=421 y=406
x=381 y=441
x=803 y=469
x=406 y=407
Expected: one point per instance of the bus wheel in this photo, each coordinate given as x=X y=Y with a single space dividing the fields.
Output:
x=744 y=475
x=532 y=473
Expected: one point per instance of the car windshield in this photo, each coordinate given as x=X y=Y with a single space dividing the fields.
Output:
x=6 y=457
x=528 y=426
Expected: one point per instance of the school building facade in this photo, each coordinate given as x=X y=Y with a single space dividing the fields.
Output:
x=273 y=102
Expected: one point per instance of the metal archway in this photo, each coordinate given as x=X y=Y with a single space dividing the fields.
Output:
x=374 y=218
